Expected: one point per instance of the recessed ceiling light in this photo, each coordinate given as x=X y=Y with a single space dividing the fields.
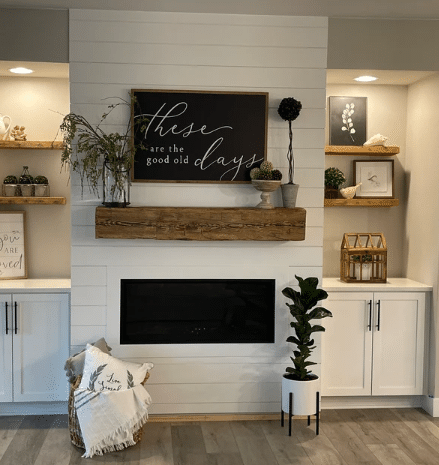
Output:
x=365 y=78
x=21 y=70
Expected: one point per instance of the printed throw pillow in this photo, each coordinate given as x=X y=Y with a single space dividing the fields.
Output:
x=75 y=365
x=102 y=372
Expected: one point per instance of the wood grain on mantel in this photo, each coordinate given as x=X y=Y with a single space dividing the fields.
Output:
x=201 y=224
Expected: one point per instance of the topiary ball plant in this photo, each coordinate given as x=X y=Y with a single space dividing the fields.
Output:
x=304 y=309
x=11 y=179
x=41 y=180
x=334 y=178
x=26 y=178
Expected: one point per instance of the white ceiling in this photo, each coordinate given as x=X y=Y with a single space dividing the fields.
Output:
x=41 y=70
x=385 y=77
x=397 y=9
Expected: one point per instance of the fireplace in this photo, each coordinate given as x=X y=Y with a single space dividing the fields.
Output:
x=197 y=311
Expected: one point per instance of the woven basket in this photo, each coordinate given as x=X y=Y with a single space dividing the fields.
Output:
x=75 y=429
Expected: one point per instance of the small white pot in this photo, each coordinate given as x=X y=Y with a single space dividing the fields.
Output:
x=41 y=190
x=366 y=269
x=304 y=396
x=26 y=190
x=10 y=190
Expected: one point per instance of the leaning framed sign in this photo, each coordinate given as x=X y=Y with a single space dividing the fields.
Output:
x=196 y=136
x=13 y=263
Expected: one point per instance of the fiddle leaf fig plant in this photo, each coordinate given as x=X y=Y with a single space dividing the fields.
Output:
x=304 y=309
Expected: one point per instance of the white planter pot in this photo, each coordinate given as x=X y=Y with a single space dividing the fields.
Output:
x=366 y=268
x=41 y=190
x=304 y=396
x=10 y=190
x=26 y=190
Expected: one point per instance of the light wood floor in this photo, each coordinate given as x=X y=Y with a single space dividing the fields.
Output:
x=348 y=437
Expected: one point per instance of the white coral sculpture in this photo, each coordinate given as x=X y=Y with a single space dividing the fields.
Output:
x=347 y=120
x=377 y=139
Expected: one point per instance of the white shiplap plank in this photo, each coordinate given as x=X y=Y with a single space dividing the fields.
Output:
x=89 y=275
x=88 y=315
x=200 y=55
x=148 y=76
x=81 y=335
x=193 y=33
x=88 y=295
x=95 y=93
x=201 y=18
x=216 y=408
x=174 y=254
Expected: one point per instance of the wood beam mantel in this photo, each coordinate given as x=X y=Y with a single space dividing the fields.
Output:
x=201 y=224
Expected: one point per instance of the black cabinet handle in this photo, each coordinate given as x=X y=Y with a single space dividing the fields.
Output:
x=369 y=326
x=7 y=322
x=379 y=314
x=16 y=324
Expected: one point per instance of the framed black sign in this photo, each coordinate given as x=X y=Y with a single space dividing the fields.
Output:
x=195 y=136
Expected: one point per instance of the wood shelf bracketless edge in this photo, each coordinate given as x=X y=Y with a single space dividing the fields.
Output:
x=201 y=224
x=361 y=202
x=29 y=144
x=33 y=200
x=376 y=151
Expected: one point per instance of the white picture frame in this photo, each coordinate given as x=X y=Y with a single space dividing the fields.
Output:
x=376 y=178
x=13 y=262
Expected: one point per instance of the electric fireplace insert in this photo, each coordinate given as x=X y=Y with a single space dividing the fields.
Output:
x=194 y=311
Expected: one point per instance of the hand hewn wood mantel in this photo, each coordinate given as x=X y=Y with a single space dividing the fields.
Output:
x=201 y=224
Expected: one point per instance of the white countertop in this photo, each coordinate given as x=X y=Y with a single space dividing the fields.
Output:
x=35 y=285
x=393 y=284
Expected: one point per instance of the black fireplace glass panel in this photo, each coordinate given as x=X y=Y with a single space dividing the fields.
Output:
x=197 y=311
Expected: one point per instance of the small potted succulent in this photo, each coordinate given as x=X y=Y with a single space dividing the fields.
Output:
x=265 y=179
x=41 y=186
x=334 y=178
x=26 y=182
x=10 y=186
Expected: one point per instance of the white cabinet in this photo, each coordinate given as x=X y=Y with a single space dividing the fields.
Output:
x=34 y=344
x=374 y=343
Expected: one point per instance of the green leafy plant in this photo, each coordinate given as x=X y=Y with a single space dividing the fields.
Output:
x=41 y=180
x=304 y=309
x=366 y=258
x=334 y=178
x=289 y=109
x=25 y=178
x=10 y=179
x=87 y=147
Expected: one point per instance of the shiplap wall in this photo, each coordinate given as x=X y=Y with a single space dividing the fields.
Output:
x=112 y=52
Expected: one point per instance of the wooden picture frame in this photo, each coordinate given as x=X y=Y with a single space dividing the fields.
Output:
x=347 y=120
x=377 y=179
x=13 y=263
x=199 y=136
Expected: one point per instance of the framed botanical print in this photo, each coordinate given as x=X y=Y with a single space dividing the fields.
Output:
x=347 y=120
x=376 y=178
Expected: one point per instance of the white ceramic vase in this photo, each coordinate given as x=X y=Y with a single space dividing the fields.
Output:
x=266 y=187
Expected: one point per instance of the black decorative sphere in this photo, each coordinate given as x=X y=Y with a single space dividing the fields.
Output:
x=289 y=109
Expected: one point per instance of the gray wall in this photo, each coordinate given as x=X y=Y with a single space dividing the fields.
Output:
x=383 y=44
x=34 y=35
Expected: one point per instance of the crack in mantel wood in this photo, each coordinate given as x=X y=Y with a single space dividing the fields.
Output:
x=201 y=224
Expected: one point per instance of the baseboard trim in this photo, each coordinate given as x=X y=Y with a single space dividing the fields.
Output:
x=371 y=402
x=33 y=408
x=213 y=417
x=431 y=405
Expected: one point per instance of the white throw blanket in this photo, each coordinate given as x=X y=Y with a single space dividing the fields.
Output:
x=108 y=419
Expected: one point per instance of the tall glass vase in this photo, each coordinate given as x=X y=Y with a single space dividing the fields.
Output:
x=116 y=186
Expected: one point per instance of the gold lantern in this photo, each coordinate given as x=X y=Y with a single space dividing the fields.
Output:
x=363 y=258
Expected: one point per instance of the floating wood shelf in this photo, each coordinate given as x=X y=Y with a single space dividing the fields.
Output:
x=33 y=200
x=361 y=202
x=201 y=224
x=349 y=150
x=28 y=144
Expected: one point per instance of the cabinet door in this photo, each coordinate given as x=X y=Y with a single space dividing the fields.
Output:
x=398 y=343
x=347 y=345
x=41 y=347
x=5 y=349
